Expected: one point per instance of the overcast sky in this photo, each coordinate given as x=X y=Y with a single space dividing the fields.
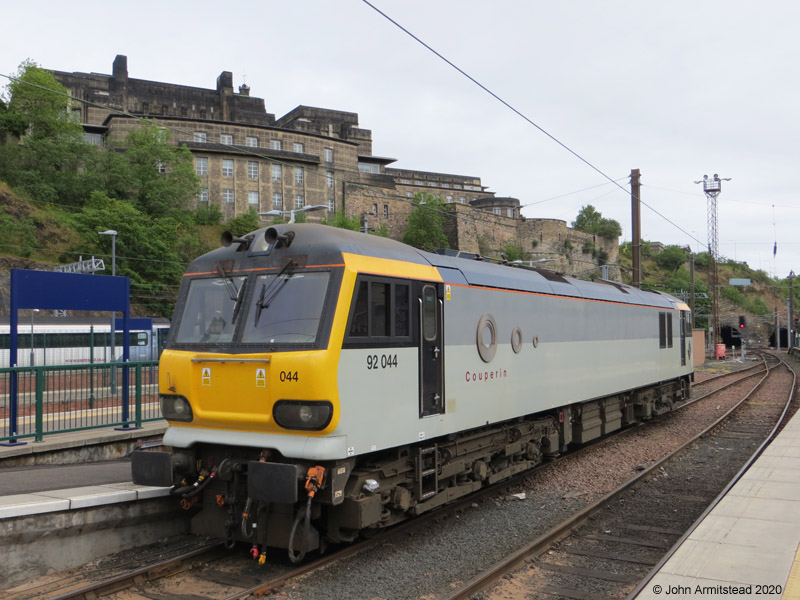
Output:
x=676 y=89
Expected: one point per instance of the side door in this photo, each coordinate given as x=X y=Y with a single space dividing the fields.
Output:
x=684 y=326
x=431 y=348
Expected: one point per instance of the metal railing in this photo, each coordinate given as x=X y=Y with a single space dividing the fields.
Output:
x=65 y=398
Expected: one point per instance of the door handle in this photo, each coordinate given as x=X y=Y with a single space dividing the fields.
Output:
x=436 y=352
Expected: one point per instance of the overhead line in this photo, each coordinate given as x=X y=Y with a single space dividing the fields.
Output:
x=518 y=113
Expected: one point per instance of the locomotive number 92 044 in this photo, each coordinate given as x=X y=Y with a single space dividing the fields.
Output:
x=384 y=361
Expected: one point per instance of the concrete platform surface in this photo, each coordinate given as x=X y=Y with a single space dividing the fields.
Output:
x=749 y=545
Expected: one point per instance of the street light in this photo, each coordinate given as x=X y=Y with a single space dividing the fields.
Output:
x=33 y=310
x=280 y=213
x=113 y=235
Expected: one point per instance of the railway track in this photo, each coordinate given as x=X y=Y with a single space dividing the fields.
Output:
x=605 y=550
x=210 y=572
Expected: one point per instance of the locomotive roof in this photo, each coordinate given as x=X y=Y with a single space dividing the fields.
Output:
x=325 y=245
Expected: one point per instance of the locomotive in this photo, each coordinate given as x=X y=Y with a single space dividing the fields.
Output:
x=321 y=383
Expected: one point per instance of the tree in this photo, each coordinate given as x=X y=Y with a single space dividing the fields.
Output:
x=426 y=223
x=590 y=220
x=671 y=258
x=157 y=177
x=145 y=248
x=48 y=163
x=342 y=221
x=243 y=224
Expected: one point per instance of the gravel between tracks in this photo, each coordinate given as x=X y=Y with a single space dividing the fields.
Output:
x=426 y=565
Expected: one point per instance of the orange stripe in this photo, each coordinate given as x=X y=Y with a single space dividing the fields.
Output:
x=480 y=287
x=187 y=274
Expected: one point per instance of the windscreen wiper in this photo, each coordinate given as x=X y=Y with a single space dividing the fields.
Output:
x=268 y=293
x=230 y=286
x=239 y=301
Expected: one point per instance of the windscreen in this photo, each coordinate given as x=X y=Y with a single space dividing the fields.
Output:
x=208 y=315
x=286 y=308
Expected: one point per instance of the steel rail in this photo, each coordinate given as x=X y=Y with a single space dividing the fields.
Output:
x=182 y=562
x=537 y=546
x=759 y=451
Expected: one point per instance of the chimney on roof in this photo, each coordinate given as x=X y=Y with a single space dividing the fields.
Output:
x=120 y=69
x=244 y=90
x=225 y=82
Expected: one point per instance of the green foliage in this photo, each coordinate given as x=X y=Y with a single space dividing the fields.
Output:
x=381 y=231
x=426 y=223
x=17 y=234
x=157 y=177
x=702 y=260
x=243 y=224
x=211 y=214
x=590 y=220
x=145 y=248
x=342 y=221
x=514 y=252
x=41 y=103
x=671 y=258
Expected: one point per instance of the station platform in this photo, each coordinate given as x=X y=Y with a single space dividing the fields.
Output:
x=748 y=545
x=74 y=470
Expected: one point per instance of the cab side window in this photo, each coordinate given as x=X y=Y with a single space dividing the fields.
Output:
x=380 y=311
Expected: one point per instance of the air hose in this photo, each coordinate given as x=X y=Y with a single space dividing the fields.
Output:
x=296 y=558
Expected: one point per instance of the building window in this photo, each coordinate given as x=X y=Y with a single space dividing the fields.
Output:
x=200 y=136
x=369 y=168
x=329 y=178
x=299 y=201
x=462 y=199
x=497 y=211
x=510 y=212
x=327 y=155
x=252 y=169
x=331 y=204
x=277 y=200
x=276 y=172
x=226 y=139
x=375 y=209
x=449 y=199
x=445 y=185
x=161 y=167
x=297 y=147
x=252 y=198
x=251 y=141
x=227 y=196
x=227 y=167
x=409 y=195
x=386 y=210
x=95 y=139
x=202 y=195
x=201 y=166
x=298 y=175
x=274 y=144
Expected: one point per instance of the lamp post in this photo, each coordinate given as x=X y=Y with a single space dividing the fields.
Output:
x=113 y=234
x=791 y=310
x=33 y=310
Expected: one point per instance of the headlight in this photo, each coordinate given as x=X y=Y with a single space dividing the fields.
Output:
x=299 y=414
x=175 y=408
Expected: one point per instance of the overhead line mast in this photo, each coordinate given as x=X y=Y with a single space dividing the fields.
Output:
x=712 y=188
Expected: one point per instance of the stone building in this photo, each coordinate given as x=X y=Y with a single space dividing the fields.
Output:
x=247 y=158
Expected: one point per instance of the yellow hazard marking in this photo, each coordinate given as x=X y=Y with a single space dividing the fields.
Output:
x=792 y=591
x=261 y=378
x=447 y=291
x=206 y=377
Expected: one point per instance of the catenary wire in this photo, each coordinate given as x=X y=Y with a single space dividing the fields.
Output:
x=520 y=114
